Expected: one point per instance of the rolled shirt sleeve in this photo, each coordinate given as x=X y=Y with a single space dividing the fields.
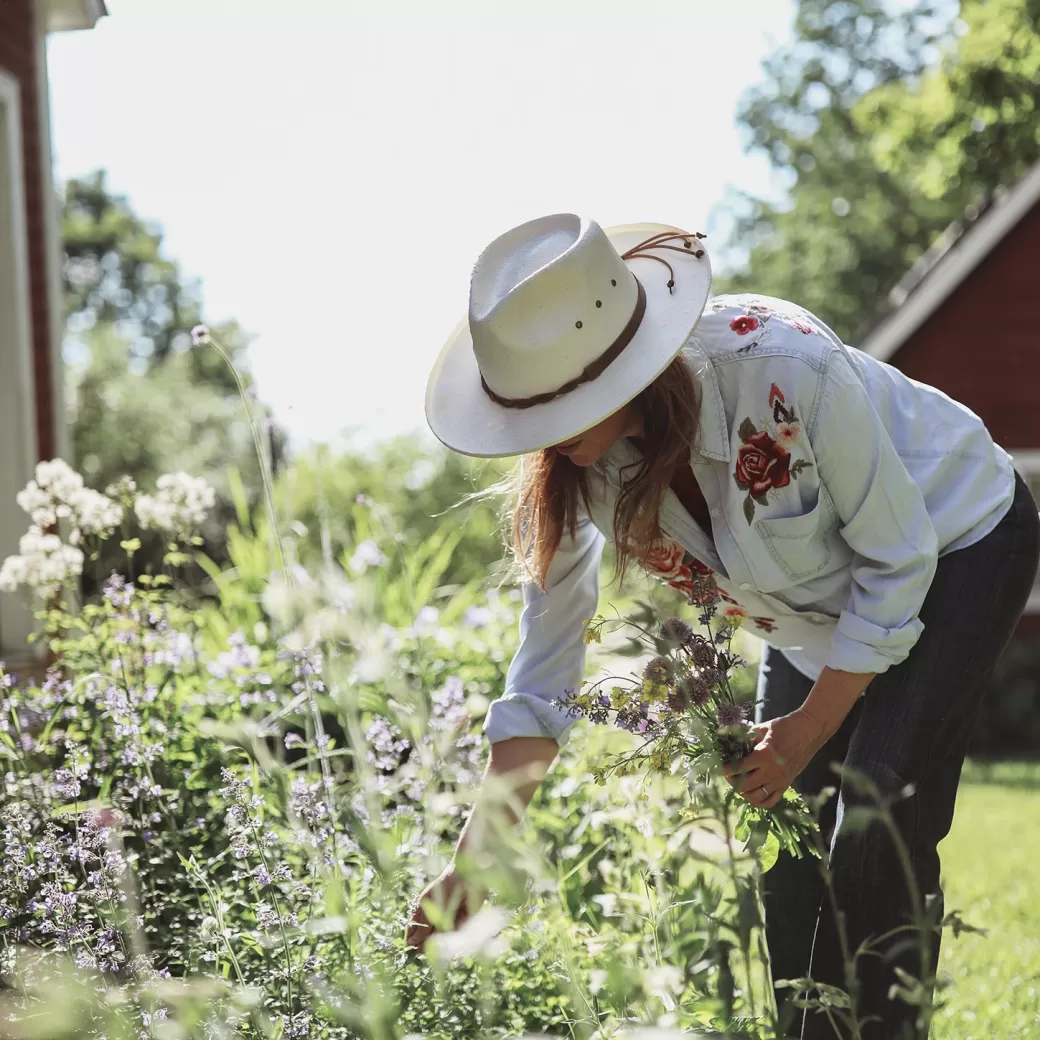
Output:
x=885 y=523
x=551 y=656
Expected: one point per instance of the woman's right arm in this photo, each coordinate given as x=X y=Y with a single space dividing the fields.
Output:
x=551 y=657
x=524 y=729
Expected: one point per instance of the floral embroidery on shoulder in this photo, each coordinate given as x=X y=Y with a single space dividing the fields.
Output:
x=670 y=562
x=755 y=321
x=763 y=459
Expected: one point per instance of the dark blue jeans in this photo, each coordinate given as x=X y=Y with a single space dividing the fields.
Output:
x=911 y=727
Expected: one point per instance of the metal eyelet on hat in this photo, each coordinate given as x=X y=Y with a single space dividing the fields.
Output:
x=599 y=303
x=613 y=281
x=577 y=324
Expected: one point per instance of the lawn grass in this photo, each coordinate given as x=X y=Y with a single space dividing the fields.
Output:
x=991 y=874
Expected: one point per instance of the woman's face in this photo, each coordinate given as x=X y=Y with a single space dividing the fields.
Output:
x=589 y=447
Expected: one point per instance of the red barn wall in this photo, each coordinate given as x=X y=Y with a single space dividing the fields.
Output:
x=983 y=349
x=19 y=56
x=982 y=346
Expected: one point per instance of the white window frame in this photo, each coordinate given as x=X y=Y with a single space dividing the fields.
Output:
x=1027 y=462
x=17 y=401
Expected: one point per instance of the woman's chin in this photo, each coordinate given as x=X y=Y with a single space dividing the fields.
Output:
x=580 y=458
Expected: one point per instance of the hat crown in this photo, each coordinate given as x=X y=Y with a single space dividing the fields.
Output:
x=547 y=299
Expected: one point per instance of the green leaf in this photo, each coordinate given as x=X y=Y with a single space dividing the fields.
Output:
x=746 y=430
x=798 y=466
x=769 y=852
x=749 y=509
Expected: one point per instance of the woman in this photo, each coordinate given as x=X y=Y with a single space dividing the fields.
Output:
x=866 y=525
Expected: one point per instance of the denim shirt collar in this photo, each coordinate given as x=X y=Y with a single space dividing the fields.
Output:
x=713 y=440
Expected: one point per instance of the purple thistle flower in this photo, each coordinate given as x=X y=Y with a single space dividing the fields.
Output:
x=657 y=669
x=730 y=715
x=692 y=692
x=676 y=631
x=703 y=653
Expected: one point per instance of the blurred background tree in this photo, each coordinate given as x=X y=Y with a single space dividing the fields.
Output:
x=886 y=128
x=142 y=400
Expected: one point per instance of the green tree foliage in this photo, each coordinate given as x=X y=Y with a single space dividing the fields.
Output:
x=114 y=274
x=887 y=127
x=142 y=399
x=162 y=420
x=412 y=490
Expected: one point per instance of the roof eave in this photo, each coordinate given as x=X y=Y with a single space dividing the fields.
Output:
x=955 y=265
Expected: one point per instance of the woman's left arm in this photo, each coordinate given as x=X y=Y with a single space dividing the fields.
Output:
x=885 y=523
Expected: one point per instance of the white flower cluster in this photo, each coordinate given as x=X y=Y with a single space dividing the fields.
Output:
x=44 y=562
x=179 y=505
x=58 y=493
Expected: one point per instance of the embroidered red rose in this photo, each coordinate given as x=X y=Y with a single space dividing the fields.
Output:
x=762 y=464
x=745 y=324
x=805 y=330
x=767 y=624
x=665 y=558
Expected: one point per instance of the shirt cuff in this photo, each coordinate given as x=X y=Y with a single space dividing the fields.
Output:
x=861 y=646
x=525 y=715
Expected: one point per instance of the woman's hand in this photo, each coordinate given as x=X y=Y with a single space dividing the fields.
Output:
x=449 y=892
x=783 y=748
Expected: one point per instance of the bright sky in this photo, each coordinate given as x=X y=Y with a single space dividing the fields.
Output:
x=332 y=168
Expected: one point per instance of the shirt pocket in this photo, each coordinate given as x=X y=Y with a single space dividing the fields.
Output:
x=794 y=549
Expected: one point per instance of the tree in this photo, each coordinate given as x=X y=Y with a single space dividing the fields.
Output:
x=114 y=274
x=887 y=128
x=142 y=399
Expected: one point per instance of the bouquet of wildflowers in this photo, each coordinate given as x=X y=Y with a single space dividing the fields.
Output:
x=683 y=705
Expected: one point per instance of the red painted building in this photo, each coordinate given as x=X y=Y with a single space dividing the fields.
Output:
x=966 y=322
x=31 y=425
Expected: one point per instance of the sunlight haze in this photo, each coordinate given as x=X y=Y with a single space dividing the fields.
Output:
x=331 y=170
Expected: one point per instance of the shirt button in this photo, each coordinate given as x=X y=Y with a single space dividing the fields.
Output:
x=716 y=514
x=745 y=586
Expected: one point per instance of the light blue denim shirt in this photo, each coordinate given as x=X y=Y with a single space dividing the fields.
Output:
x=833 y=481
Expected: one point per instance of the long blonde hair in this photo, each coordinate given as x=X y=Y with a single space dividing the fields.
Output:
x=551 y=487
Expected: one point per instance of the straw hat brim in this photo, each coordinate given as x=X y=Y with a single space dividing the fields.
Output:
x=465 y=419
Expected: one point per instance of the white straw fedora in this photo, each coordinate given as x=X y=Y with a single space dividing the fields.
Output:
x=567 y=323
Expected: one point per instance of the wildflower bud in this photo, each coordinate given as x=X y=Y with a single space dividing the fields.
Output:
x=730 y=715
x=677 y=632
x=703 y=654
x=691 y=692
x=657 y=670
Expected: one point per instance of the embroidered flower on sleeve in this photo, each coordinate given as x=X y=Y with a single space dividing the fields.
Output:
x=744 y=324
x=670 y=562
x=763 y=461
x=665 y=558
